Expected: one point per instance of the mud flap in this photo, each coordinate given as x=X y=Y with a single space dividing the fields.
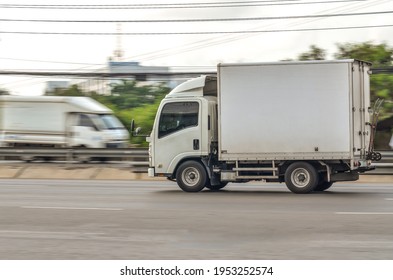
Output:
x=345 y=176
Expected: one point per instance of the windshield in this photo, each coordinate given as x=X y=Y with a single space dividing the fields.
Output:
x=111 y=122
x=91 y=120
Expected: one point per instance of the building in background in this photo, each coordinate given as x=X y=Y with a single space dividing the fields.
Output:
x=145 y=74
x=52 y=86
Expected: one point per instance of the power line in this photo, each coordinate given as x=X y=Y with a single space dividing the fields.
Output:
x=383 y=70
x=194 y=33
x=173 y=5
x=200 y=44
x=228 y=38
x=197 y=19
x=176 y=5
x=139 y=75
x=143 y=5
x=377 y=70
x=49 y=61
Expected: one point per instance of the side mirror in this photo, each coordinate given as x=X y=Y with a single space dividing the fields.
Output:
x=132 y=127
x=135 y=131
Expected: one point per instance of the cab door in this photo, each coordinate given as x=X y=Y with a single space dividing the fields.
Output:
x=85 y=132
x=177 y=134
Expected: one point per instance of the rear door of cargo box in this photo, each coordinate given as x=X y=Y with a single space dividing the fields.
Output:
x=360 y=108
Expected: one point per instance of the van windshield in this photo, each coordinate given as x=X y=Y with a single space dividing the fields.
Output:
x=91 y=120
x=111 y=122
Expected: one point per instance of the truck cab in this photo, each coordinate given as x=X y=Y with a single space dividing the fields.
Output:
x=185 y=128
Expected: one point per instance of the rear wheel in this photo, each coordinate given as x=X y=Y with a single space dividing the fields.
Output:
x=301 y=177
x=323 y=186
x=217 y=187
x=191 y=176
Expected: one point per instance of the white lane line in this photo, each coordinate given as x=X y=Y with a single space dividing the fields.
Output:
x=49 y=232
x=364 y=213
x=388 y=198
x=71 y=208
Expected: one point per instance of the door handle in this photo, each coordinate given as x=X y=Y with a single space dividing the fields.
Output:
x=196 y=144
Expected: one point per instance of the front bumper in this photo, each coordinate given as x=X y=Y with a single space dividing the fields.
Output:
x=116 y=145
x=150 y=172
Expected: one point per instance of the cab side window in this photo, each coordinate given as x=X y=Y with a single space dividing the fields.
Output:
x=177 y=116
x=84 y=120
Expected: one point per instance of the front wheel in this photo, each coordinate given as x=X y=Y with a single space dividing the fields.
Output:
x=191 y=176
x=301 y=177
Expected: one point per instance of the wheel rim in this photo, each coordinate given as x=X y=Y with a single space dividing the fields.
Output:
x=190 y=176
x=300 y=177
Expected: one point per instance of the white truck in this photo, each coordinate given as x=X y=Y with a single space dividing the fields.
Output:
x=59 y=121
x=303 y=123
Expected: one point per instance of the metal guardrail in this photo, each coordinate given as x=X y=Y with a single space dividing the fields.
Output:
x=387 y=155
x=71 y=153
x=383 y=167
x=138 y=156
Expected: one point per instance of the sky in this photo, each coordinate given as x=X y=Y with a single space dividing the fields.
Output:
x=276 y=39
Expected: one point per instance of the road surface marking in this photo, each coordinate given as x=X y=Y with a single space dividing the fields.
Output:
x=48 y=232
x=71 y=208
x=364 y=213
x=388 y=198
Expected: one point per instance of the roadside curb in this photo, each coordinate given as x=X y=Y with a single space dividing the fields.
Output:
x=46 y=171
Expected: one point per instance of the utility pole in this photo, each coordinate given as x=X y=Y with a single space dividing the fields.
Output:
x=118 y=53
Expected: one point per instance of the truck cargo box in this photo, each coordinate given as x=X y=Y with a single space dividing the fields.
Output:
x=293 y=110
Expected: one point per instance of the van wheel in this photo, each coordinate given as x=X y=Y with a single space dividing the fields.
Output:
x=27 y=159
x=82 y=158
x=191 y=176
x=301 y=177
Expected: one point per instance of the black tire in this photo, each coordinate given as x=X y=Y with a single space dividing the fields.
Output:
x=323 y=186
x=47 y=159
x=217 y=187
x=82 y=158
x=301 y=177
x=27 y=159
x=191 y=176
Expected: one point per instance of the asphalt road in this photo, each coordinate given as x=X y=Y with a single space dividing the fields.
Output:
x=84 y=219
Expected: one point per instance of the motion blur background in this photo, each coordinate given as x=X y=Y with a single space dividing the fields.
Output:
x=82 y=47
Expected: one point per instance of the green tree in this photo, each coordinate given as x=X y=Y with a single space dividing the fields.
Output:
x=144 y=117
x=378 y=54
x=314 y=53
x=73 y=90
x=131 y=101
x=129 y=94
